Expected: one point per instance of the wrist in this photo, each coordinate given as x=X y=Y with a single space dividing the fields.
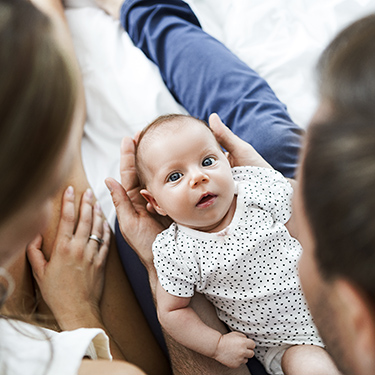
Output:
x=217 y=346
x=85 y=317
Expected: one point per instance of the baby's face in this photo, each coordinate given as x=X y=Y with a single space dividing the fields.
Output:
x=188 y=175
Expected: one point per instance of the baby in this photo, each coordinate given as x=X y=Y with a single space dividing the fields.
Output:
x=229 y=241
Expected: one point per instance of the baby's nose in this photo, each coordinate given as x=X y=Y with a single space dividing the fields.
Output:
x=198 y=178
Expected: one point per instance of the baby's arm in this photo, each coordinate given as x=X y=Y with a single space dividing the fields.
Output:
x=185 y=326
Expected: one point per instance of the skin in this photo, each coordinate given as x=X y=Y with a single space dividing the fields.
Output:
x=181 y=168
x=91 y=278
x=33 y=216
x=185 y=326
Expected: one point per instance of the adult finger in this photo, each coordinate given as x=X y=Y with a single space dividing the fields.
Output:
x=240 y=152
x=85 y=218
x=36 y=257
x=128 y=172
x=97 y=225
x=96 y=231
x=67 y=219
x=223 y=134
x=104 y=247
x=124 y=208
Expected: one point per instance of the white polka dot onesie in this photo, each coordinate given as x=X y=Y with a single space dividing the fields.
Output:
x=249 y=269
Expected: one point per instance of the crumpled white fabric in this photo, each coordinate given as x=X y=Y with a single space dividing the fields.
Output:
x=280 y=39
x=27 y=349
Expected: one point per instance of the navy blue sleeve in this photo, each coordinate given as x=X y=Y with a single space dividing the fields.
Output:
x=205 y=77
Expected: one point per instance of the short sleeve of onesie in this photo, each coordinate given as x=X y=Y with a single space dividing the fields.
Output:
x=269 y=190
x=27 y=349
x=177 y=272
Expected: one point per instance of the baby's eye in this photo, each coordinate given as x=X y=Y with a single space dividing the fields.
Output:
x=208 y=161
x=174 y=176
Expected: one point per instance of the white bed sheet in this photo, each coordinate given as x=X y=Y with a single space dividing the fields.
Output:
x=280 y=39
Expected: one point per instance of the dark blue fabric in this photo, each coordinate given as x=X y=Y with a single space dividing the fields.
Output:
x=138 y=278
x=205 y=77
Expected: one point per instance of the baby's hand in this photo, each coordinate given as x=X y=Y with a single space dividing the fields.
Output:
x=234 y=349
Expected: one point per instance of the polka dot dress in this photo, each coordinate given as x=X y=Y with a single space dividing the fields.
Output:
x=249 y=269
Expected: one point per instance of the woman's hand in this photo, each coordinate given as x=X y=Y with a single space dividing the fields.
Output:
x=71 y=282
x=240 y=153
x=138 y=226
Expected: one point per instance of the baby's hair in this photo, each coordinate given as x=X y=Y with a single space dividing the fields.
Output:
x=158 y=123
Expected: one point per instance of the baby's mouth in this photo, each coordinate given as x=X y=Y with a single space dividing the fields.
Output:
x=206 y=200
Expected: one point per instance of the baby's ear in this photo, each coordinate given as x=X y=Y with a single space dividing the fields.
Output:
x=150 y=199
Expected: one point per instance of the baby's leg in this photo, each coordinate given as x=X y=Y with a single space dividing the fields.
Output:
x=307 y=360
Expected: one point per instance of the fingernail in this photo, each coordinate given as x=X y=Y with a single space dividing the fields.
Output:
x=89 y=194
x=109 y=186
x=70 y=191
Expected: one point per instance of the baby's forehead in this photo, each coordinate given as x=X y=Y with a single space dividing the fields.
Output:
x=153 y=142
x=170 y=132
x=174 y=127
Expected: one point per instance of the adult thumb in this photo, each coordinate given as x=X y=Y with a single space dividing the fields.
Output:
x=123 y=205
x=222 y=133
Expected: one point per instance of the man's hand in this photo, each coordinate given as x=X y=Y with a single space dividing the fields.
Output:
x=138 y=226
x=240 y=153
